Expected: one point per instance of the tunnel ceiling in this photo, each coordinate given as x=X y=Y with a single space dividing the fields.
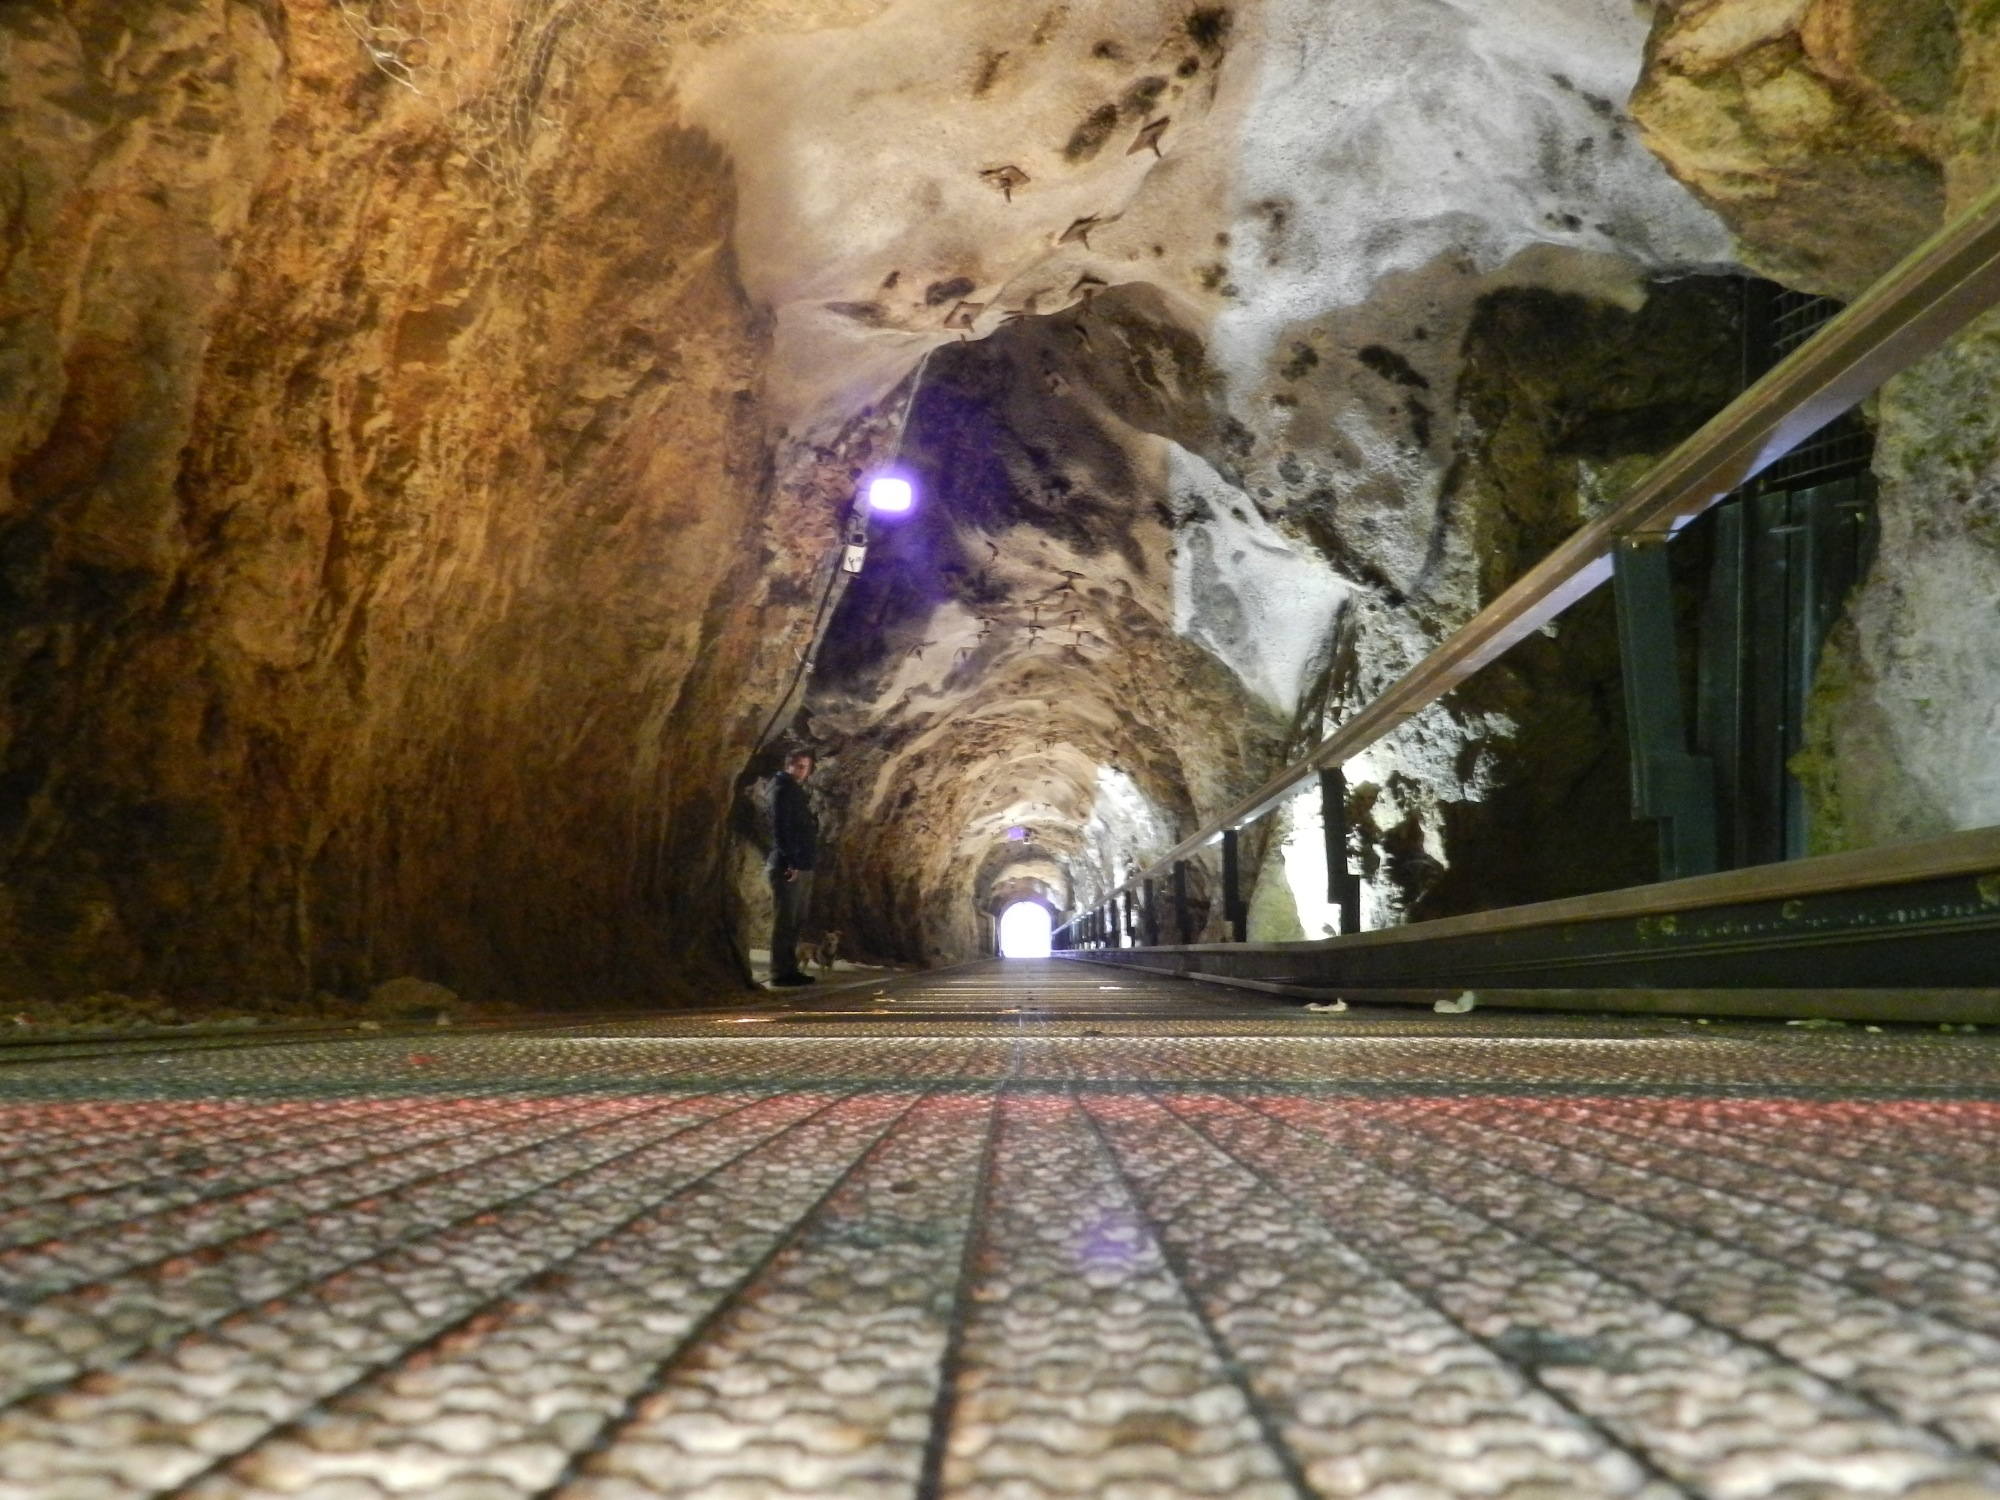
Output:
x=429 y=428
x=1260 y=372
x=1199 y=285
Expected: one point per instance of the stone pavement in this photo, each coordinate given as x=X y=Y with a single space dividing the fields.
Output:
x=1012 y=1230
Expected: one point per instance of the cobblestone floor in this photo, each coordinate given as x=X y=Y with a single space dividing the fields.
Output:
x=1040 y=1230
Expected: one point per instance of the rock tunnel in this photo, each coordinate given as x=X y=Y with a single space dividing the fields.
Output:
x=1377 y=625
x=431 y=431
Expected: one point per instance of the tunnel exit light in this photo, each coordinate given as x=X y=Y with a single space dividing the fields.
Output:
x=891 y=493
x=1026 y=930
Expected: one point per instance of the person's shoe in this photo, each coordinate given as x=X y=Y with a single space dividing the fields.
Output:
x=792 y=981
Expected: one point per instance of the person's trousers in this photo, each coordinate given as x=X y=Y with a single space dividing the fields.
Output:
x=789 y=899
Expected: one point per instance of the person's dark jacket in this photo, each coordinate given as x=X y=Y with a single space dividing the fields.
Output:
x=794 y=829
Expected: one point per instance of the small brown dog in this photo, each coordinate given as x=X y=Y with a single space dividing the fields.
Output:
x=821 y=955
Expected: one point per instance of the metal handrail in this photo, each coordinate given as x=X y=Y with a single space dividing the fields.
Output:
x=1926 y=298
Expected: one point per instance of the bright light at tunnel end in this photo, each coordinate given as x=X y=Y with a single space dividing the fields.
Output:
x=890 y=494
x=1025 y=930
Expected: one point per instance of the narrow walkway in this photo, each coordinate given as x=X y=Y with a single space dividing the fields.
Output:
x=1034 y=1229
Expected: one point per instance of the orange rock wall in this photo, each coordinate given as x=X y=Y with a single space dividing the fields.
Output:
x=389 y=557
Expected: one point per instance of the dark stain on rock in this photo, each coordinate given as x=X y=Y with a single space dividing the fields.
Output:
x=1391 y=366
x=1091 y=133
x=1315 y=516
x=1108 y=50
x=1208 y=27
x=1142 y=95
x=1420 y=421
x=1188 y=68
x=1302 y=359
x=870 y=313
x=891 y=279
x=989 y=72
x=940 y=292
x=1598 y=105
x=1633 y=404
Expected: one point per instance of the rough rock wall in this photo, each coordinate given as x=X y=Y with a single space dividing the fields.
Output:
x=1833 y=135
x=1220 y=270
x=423 y=461
x=1010 y=658
x=1078 y=628
x=1562 y=400
x=387 y=570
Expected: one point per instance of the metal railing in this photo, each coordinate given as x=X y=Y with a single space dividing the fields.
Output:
x=1933 y=293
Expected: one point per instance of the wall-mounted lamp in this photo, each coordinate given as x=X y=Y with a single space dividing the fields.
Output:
x=890 y=494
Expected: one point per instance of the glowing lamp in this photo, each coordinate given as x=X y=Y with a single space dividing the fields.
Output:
x=890 y=493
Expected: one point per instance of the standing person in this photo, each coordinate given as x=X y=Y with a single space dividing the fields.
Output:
x=794 y=847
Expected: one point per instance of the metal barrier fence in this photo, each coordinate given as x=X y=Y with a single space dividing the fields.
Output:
x=1911 y=312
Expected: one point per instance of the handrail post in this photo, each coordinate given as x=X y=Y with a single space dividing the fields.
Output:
x=1668 y=783
x=1130 y=931
x=1343 y=887
x=1181 y=914
x=1150 y=911
x=1233 y=911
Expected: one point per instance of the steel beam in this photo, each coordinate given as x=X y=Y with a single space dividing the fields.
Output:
x=1343 y=886
x=1668 y=783
x=1234 y=912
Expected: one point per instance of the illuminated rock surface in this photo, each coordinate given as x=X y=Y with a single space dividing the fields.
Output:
x=1834 y=136
x=425 y=428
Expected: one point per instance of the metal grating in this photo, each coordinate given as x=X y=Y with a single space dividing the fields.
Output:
x=1035 y=1237
x=1778 y=321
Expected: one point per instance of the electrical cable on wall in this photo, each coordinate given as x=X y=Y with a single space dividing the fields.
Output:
x=845 y=563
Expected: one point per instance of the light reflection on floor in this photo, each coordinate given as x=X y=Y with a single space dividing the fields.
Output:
x=1047 y=1237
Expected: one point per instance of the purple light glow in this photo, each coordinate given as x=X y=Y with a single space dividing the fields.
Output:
x=891 y=493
